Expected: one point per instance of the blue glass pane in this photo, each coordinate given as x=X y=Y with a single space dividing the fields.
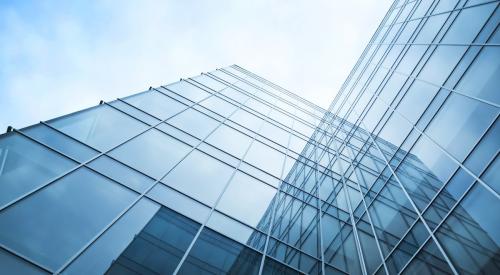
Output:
x=188 y=91
x=101 y=127
x=471 y=234
x=441 y=63
x=468 y=24
x=159 y=247
x=54 y=223
x=246 y=199
x=265 y=158
x=194 y=123
x=199 y=176
x=151 y=120
x=215 y=254
x=156 y=104
x=482 y=79
x=229 y=140
x=460 y=123
x=60 y=142
x=98 y=257
x=14 y=265
x=26 y=165
x=153 y=153
x=121 y=173
x=209 y=82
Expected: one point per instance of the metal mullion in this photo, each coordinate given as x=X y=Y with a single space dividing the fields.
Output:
x=319 y=224
x=443 y=87
x=268 y=93
x=457 y=203
x=370 y=58
x=367 y=107
x=288 y=113
x=26 y=259
x=143 y=194
x=361 y=58
x=137 y=108
x=422 y=132
x=272 y=106
x=279 y=88
x=377 y=242
x=439 y=44
x=417 y=211
x=274 y=205
x=354 y=225
x=445 y=12
x=212 y=209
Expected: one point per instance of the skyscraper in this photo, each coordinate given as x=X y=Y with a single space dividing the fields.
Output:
x=227 y=172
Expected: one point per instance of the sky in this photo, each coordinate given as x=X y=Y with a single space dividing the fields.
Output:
x=57 y=57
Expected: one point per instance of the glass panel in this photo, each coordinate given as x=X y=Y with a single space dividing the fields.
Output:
x=428 y=261
x=98 y=257
x=179 y=202
x=14 y=265
x=416 y=100
x=246 y=199
x=153 y=153
x=151 y=120
x=429 y=30
x=60 y=142
x=218 y=106
x=121 y=173
x=459 y=124
x=54 y=223
x=194 y=123
x=159 y=247
x=156 y=104
x=26 y=165
x=482 y=79
x=441 y=63
x=101 y=127
x=188 y=90
x=468 y=24
x=229 y=140
x=471 y=235
x=200 y=176
x=215 y=254
x=273 y=267
x=209 y=82
x=265 y=158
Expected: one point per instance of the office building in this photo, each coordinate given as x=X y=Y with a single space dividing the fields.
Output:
x=229 y=173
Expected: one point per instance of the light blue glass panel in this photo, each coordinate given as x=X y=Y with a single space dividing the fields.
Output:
x=26 y=165
x=492 y=175
x=121 y=173
x=14 y=265
x=101 y=127
x=188 y=91
x=229 y=140
x=53 y=224
x=246 y=199
x=416 y=99
x=60 y=142
x=429 y=30
x=265 y=158
x=153 y=153
x=219 y=106
x=471 y=235
x=441 y=63
x=275 y=133
x=247 y=119
x=209 y=82
x=98 y=257
x=482 y=79
x=234 y=94
x=468 y=23
x=460 y=123
x=179 y=202
x=194 y=123
x=156 y=104
x=151 y=120
x=199 y=176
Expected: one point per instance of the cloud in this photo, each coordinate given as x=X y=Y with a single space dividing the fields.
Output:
x=58 y=57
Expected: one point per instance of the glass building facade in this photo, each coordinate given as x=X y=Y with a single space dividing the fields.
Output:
x=228 y=173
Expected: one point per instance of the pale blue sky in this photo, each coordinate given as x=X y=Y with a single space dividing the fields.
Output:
x=60 y=56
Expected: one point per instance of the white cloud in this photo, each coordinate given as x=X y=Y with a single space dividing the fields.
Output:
x=60 y=57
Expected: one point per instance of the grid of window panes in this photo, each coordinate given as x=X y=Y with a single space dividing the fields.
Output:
x=184 y=178
x=419 y=138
